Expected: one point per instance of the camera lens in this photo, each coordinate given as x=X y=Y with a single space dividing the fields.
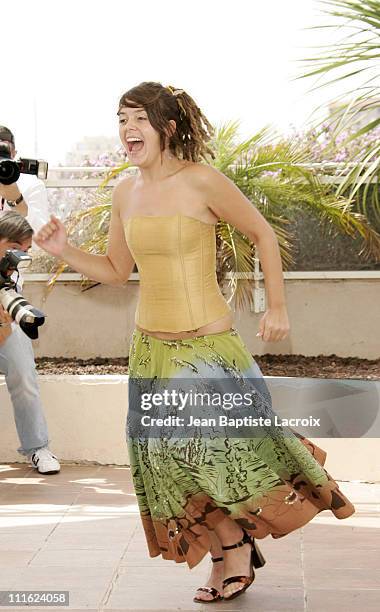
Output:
x=9 y=171
x=42 y=169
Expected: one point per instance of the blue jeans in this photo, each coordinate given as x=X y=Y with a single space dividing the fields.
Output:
x=18 y=365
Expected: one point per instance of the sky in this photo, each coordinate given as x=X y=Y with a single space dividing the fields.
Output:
x=66 y=64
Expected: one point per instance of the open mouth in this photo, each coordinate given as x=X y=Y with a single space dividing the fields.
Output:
x=135 y=145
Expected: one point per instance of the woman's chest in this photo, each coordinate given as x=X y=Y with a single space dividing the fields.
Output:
x=179 y=198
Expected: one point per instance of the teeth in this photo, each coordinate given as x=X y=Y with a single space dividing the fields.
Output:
x=133 y=139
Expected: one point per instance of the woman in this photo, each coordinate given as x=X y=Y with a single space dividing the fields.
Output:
x=198 y=493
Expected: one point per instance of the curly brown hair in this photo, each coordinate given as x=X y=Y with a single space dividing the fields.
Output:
x=162 y=104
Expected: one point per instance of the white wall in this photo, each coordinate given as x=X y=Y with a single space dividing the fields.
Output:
x=86 y=417
x=327 y=317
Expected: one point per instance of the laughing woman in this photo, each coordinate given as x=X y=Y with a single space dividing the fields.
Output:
x=198 y=493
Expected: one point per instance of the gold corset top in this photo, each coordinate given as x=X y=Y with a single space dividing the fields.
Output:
x=176 y=260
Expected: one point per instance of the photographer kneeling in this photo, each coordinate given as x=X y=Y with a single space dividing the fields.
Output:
x=18 y=365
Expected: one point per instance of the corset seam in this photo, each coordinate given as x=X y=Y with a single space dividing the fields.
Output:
x=202 y=277
x=184 y=273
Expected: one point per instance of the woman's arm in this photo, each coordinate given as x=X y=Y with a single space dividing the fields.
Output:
x=227 y=202
x=114 y=268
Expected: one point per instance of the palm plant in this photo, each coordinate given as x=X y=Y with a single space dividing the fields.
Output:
x=355 y=55
x=274 y=175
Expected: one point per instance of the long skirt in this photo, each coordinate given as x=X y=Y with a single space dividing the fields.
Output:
x=272 y=483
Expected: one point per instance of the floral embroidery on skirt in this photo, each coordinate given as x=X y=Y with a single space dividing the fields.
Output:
x=184 y=487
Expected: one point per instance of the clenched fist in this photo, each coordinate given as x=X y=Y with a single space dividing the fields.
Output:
x=52 y=237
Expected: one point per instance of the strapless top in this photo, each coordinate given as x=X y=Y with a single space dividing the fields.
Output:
x=176 y=259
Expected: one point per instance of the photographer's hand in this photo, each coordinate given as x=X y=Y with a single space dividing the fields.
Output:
x=5 y=325
x=9 y=192
x=12 y=192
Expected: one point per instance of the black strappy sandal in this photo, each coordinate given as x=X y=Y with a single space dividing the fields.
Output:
x=214 y=592
x=257 y=560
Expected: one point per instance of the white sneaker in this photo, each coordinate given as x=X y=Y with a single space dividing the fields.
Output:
x=45 y=461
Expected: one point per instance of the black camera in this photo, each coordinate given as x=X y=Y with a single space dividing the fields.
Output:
x=11 y=169
x=28 y=317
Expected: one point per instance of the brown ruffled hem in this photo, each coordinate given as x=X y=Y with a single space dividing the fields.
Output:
x=277 y=513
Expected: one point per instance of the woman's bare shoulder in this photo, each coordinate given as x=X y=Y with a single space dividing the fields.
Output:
x=124 y=185
x=200 y=174
x=202 y=169
x=121 y=193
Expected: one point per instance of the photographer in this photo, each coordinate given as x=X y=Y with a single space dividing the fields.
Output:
x=17 y=362
x=28 y=195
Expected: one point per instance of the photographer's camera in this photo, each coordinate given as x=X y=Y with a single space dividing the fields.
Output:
x=11 y=169
x=27 y=316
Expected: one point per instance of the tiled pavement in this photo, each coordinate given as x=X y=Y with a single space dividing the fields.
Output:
x=79 y=530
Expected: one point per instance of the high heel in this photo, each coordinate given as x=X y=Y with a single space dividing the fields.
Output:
x=214 y=592
x=257 y=560
x=256 y=555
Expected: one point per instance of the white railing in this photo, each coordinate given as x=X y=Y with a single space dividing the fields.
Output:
x=90 y=182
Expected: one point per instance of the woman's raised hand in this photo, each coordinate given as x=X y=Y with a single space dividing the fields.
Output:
x=52 y=237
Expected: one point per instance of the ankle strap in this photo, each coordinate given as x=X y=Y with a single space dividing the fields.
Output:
x=215 y=559
x=245 y=540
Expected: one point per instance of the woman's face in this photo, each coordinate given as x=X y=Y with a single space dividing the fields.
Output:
x=140 y=140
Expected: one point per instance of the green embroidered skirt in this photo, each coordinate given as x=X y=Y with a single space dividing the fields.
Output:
x=269 y=484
